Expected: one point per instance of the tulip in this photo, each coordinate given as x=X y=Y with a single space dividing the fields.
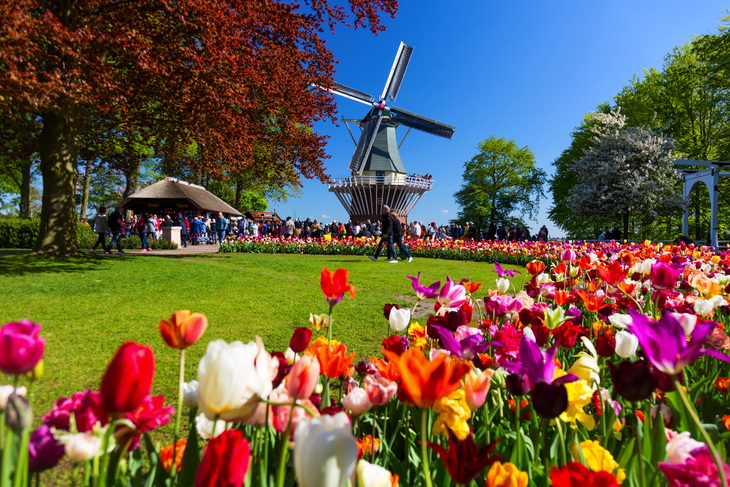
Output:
x=632 y=381
x=687 y=321
x=233 y=377
x=204 y=426
x=369 y=475
x=517 y=384
x=605 y=345
x=183 y=329
x=318 y=322
x=81 y=447
x=178 y=449
x=452 y=295
x=399 y=319
x=6 y=391
x=225 y=461
x=476 y=387
x=680 y=448
x=335 y=285
x=503 y=285
x=506 y=475
x=190 y=394
x=703 y=307
x=574 y=474
x=300 y=339
x=536 y=267
x=332 y=356
x=503 y=272
x=303 y=377
x=325 y=452
x=379 y=389
x=664 y=276
x=424 y=292
x=20 y=347
x=619 y=320
x=128 y=378
x=567 y=256
x=626 y=344
x=282 y=416
x=357 y=402
x=554 y=317
x=44 y=450
x=463 y=460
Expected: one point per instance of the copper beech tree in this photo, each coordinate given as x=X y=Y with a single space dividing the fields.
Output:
x=222 y=75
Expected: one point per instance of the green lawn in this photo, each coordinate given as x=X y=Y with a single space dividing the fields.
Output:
x=89 y=305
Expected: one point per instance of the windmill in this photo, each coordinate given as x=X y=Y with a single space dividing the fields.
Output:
x=378 y=175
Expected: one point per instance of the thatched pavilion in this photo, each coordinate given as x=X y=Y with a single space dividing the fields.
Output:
x=172 y=196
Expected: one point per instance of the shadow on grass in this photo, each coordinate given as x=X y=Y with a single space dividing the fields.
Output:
x=21 y=265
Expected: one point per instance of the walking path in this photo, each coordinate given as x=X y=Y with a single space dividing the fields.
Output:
x=189 y=250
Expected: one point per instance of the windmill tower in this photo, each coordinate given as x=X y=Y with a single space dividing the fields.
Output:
x=378 y=176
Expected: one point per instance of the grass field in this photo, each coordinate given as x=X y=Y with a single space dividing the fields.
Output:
x=89 y=305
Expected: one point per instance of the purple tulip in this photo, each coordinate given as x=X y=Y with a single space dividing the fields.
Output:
x=575 y=315
x=665 y=344
x=502 y=272
x=466 y=348
x=536 y=366
x=44 y=450
x=20 y=347
x=664 y=276
x=425 y=292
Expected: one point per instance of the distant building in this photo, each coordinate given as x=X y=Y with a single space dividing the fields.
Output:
x=263 y=216
x=172 y=196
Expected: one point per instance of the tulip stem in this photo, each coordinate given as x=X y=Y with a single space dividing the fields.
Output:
x=74 y=474
x=181 y=381
x=640 y=446
x=424 y=447
x=329 y=324
x=691 y=410
x=372 y=434
x=284 y=442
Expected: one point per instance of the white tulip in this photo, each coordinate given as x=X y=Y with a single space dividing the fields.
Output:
x=5 y=392
x=619 y=320
x=688 y=321
x=586 y=367
x=204 y=426
x=718 y=301
x=325 y=452
x=369 y=475
x=399 y=319
x=81 y=447
x=646 y=266
x=357 y=402
x=190 y=394
x=703 y=307
x=543 y=279
x=680 y=447
x=626 y=344
x=503 y=285
x=290 y=356
x=233 y=377
x=528 y=333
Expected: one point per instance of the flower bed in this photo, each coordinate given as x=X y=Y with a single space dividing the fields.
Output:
x=608 y=367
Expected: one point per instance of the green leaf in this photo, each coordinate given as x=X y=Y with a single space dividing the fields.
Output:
x=658 y=442
x=627 y=452
x=191 y=458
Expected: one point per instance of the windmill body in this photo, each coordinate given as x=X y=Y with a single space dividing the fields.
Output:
x=378 y=176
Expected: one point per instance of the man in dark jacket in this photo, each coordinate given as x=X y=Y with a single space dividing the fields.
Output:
x=386 y=237
x=398 y=237
x=501 y=232
x=115 y=222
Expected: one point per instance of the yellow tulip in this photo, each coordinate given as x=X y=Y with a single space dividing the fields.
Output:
x=506 y=475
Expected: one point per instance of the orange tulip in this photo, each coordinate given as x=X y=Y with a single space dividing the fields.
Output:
x=166 y=455
x=536 y=267
x=426 y=381
x=471 y=286
x=334 y=285
x=332 y=357
x=592 y=303
x=562 y=297
x=183 y=329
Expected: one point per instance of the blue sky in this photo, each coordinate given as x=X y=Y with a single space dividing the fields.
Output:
x=526 y=71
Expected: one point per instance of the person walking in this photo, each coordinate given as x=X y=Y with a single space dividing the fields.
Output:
x=101 y=228
x=183 y=230
x=386 y=237
x=141 y=228
x=221 y=226
x=288 y=228
x=398 y=237
x=501 y=232
x=115 y=223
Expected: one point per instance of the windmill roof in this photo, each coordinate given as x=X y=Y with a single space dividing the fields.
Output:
x=174 y=192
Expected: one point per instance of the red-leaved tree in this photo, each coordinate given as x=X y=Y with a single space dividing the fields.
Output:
x=226 y=76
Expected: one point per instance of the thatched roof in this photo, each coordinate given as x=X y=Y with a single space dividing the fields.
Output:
x=174 y=195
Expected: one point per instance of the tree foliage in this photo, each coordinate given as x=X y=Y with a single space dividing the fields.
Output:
x=501 y=183
x=223 y=74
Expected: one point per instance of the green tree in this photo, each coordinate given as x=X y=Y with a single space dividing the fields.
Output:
x=501 y=183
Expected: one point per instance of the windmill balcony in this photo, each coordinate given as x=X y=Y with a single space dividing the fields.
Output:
x=400 y=180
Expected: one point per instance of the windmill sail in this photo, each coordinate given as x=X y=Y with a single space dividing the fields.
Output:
x=400 y=64
x=352 y=93
x=421 y=123
x=369 y=131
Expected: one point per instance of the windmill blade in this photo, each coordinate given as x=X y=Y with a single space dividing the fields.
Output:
x=352 y=94
x=421 y=123
x=365 y=144
x=400 y=64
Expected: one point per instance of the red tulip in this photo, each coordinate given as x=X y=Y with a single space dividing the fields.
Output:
x=463 y=460
x=20 y=347
x=225 y=461
x=334 y=285
x=664 y=276
x=574 y=474
x=613 y=274
x=300 y=339
x=128 y=378
x=183 y=329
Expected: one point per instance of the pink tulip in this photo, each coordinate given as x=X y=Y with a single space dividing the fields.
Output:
x=567 y=256
x=476 y=387
x=20 y=347
x=303 y=377
x=452 y=295
x=280 y=414
x=379 y=389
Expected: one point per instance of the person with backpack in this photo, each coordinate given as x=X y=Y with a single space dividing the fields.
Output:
x=101 y=229
x=115 y=223
x=398 y=237
x=386 y=237
x=221 y=226
x=143 y=227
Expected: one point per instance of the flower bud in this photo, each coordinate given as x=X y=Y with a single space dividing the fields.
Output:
x=300 y=339
x=82 y=447
x=626 y=344
x=190 y=394
x=19 y=415
x=503 y=285
x=303 y=377
x=37 y=372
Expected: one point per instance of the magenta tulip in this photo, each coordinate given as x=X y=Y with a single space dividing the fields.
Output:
x=664 y=276
x=20 y=347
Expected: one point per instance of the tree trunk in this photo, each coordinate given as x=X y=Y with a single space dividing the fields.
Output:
x=132 y=181
x=24 y=209
x=85 y=194
x=239 y=192
x=58 y=151
x=626 y=224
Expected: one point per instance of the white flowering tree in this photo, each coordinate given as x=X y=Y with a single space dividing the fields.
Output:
x=627 y=170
